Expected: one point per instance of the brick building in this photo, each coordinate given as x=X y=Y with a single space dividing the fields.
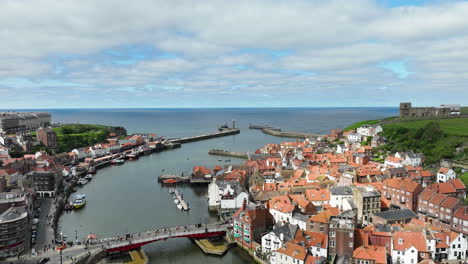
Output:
x=251 y=222
x=48 y=137
x=402 y=193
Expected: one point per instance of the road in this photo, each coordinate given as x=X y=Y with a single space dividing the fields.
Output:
x=45 y=232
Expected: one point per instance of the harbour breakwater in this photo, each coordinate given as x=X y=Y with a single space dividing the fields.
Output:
x=221 y=152
x=289 y=134
x=222 y=133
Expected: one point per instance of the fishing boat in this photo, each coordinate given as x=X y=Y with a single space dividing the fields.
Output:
x=82 y=181
x=132 y=156
x=92 y=170
x=176 y=201
x=220 y=159
x=117 y=161
x=179 y=206
x=80 y=201
x=88 y=177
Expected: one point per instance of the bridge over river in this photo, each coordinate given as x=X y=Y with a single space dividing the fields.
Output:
x=136 y=240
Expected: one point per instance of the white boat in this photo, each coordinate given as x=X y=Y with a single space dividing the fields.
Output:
x=88 y=177
x=179 y=206
x=117 y=161
x=171 y=190
x=176 y=201
x=82 y=181
x=80 y=201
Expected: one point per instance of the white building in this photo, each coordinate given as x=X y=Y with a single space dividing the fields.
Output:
x=280 y=234
x=407 y=246
x=341 y=197
x=445 y=174
x=410 y=158
x=225 y=195
x=353 y=137
x=369 y=130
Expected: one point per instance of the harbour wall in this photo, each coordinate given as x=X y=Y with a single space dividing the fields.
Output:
x=225 y=132
x=221 y=152
x=289 y=134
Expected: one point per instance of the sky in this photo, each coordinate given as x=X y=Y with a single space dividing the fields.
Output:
x=224 y=53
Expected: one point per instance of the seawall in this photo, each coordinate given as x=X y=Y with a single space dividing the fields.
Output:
x=289 y=134
x=228 y=153
x=225 y=132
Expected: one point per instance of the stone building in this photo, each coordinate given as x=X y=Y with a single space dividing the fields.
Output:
x=407 y=111
x=367 y=201
x=341 y=235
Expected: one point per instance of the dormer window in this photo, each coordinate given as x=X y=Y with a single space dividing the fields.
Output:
x=400 y=241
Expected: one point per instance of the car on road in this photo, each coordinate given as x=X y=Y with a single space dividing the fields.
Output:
x=43 y=260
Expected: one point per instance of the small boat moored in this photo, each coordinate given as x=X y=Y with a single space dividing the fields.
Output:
x=89 y=177
x=82 y=181
x=117 y=161
x=80 y=201
x=176 y=201
x=179 y=206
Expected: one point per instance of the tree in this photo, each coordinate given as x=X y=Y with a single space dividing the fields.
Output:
x=1 y=163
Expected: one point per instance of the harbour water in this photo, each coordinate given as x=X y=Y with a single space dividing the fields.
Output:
x=128 y=198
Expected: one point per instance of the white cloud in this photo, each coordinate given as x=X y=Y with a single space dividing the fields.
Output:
x=342 y=44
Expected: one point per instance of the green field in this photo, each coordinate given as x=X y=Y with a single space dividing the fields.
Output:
x=455 y=126
x=74 y=136
x=464 y=178
x=464 y=110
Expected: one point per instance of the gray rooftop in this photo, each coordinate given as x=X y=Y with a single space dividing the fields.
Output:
x=401 y=214
x=13 y=213
x=341 y=190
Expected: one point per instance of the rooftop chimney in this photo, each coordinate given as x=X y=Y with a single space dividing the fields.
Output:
x=244 y=204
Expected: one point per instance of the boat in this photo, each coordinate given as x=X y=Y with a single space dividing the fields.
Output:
x=68 y=206
x=176 y=201
x=132 y=156
x=179 y=206
x=117 y=161
x=228 y=160
x=82 y=181
x=92 y=170
x=220 y=159
x=89 y=177
x=171 y=190
x=169 y=181
x=187 y=208
x=75 y=189
x=80 y=201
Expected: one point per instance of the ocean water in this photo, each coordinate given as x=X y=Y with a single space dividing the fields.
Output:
x=128 y=198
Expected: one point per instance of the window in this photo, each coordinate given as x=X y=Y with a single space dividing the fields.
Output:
x=332 y=233
x=351 y=234
x=350 y=244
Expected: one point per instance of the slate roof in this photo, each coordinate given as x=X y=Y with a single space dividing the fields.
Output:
x=392 y=215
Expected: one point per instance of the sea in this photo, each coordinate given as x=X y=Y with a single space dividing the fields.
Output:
x=128 y=198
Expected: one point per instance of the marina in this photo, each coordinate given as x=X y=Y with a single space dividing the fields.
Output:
x=179 y=200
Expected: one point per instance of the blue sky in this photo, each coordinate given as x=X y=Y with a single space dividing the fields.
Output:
x=246 y=53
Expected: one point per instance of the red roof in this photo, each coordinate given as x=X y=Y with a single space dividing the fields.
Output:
x=379 y=254
x=403 y=240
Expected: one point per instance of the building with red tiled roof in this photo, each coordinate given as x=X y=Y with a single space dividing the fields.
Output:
x=370 y=254
x=319 y=222
x=318 y=197
x=402 y=193
x=250 y=222
x=460 y=220
x=454 y=188
x=291 y=253
x=409 y=247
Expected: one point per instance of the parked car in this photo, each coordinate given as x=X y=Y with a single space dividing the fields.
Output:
x=43 y=260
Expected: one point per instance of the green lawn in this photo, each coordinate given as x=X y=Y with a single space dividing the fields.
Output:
x=455 y=126
x=464 y=178
x=464 y=110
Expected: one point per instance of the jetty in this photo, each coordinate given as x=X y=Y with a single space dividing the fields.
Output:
x=222 y=133
x=259 y=127
x=289 y=134
x=176 y=178
x=221 y=152
x=179 y=197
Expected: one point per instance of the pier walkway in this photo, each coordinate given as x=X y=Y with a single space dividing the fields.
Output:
x=179 y=197
x=224 y=132
x=133 y=241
